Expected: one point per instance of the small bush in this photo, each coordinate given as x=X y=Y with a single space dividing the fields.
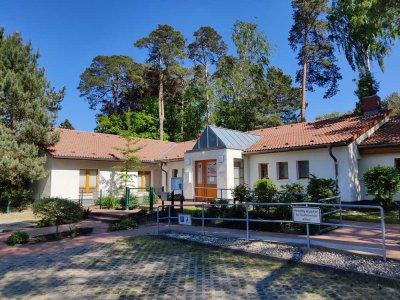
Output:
x=146 y=200
x=18 y=237
x=123 y=225
x=383 y=183
x=242 y=193
x=57 y=211
x=320 y=188
x=110 y=202
x=291 y=193
x=265 y=190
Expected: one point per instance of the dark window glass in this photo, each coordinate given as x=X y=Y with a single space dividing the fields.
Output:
x=303 y=169
x=283 y=170
x=263 y=170
x=397 y=163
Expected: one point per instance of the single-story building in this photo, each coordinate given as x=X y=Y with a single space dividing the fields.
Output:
x=341 y=148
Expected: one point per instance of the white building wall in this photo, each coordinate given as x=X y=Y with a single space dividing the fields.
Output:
x=225 y=177
x=64 y=176
x=169 y=167
x=371 y=160
x=320 y=165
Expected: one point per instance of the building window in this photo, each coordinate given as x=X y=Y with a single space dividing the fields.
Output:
x=263 y=170
x=144 y=180
x=88 y=180
x=174 y=173
x=397 y=163
x=283 y=170
x=303 y=169
x=238 y=172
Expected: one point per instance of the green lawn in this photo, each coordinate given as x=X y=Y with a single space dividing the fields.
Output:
x=391 y=217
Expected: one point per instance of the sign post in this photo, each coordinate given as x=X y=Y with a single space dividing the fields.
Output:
x=307 y=215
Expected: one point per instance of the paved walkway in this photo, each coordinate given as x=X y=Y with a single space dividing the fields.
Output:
x=156 y=268
x=363 y=241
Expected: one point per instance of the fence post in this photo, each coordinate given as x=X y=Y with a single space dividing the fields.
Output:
x=151 y=199
x=202 y=218
x=101 y=197
x=169 y=215
x=220 y=198
x=158 y=220
x=127 y=198
x=181 y=202
x=383 y=234
x=308 y=233
x=247 y=221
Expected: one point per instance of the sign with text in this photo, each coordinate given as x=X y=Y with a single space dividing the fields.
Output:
x=311 y=215
x=185 y=219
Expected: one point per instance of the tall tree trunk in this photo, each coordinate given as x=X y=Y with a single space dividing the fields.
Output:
x=206 y=91
x=304 y=81
x=368 y=60
x=161 y=104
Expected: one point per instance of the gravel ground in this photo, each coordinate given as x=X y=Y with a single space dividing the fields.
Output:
x=323 y=257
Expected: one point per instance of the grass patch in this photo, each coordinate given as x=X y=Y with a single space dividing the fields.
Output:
x=391 y=217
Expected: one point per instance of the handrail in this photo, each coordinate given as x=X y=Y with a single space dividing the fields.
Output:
x=203 y=218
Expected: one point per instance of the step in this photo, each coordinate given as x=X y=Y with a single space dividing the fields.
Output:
x=105 y=219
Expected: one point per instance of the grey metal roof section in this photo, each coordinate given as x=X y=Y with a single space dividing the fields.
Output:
x=215 y=137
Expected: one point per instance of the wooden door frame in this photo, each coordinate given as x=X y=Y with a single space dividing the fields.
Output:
x=203 y=189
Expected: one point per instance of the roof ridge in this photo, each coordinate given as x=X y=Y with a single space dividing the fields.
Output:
x=166 y=151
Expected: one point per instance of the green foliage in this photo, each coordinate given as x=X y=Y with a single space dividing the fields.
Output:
x=123 y=225
x=130 y=161
x=365 y=30
x=17 y=237
x=108 y=202
x=146 y=200
x=66 y=125
x=309 y=37
x=57 y=211
x=205 y=51
x=382 y=183
x=28 y=109
x=112 y=83
x=265 y=190
x=166 y=48
x=291 y=193
x=328 y=116
x=392 y=102
x=242 y=193
x=366 y=85
x=320 y=188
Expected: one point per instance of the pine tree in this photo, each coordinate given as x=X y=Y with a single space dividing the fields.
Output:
x=309 y=37
x=66 y=125
x=28 y=108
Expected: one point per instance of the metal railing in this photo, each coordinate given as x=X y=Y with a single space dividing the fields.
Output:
x=247 y=220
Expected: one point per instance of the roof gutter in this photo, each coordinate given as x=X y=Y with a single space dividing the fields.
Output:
x=296 y=148
x=166 y=175
x=336 y=165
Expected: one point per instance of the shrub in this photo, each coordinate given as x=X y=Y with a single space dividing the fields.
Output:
x=57 y=211
x=142 y=212
x=242 y=193
x=146 y=200
x=264 y=190
x=18 y=237
x=109 y=202
x=291 y=193
x=123 y=225
x=383 y=183
x=320 y=188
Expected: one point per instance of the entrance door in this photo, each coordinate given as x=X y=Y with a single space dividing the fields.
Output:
x=206 y=179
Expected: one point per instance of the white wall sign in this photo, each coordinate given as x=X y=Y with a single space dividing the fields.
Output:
x=310 y=215
x=220 y=158
x=185 y=219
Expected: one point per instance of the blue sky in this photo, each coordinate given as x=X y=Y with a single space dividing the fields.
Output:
x=70 y=33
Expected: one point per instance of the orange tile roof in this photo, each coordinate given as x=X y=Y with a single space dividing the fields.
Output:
x=177 y=151
x=99 y=146
x=388 y=134
x=313 y=134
